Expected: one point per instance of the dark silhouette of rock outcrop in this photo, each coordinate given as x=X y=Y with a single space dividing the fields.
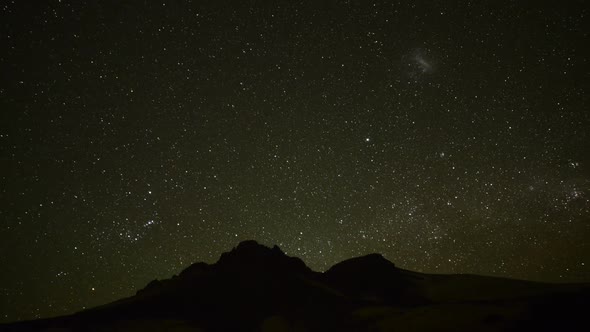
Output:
x=257 y=288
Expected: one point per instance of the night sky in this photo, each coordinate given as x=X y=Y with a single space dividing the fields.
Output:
x=139 y=137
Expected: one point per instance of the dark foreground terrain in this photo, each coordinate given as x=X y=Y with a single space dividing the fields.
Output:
x=256 y=288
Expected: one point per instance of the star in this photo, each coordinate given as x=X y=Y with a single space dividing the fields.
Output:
x=414 y=131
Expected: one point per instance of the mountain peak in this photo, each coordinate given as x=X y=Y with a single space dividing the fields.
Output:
x=250 y=249
x=253 y=245
x=250 y=255
x=367 y=263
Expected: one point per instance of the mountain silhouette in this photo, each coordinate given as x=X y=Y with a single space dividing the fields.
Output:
x=257 y=288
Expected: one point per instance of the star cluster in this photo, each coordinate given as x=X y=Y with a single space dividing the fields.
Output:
x=139 y=137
